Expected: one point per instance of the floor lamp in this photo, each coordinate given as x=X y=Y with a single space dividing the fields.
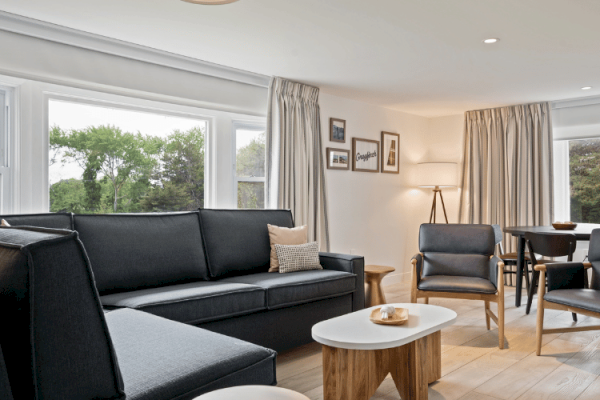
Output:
x=437 y=175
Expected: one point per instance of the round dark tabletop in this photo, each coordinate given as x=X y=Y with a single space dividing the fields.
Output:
x=582 y=231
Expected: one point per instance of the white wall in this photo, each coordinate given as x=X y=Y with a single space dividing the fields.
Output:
x=378 y=215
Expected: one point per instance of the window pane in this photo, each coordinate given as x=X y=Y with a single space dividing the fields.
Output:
x=584 y=177
x=250 y=153
x=106 y=160
x=251 y=195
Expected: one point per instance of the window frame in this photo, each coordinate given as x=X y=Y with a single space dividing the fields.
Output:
x=133 y=105
x=8 y=189
x=249 y=126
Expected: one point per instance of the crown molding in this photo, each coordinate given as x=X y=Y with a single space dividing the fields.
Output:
x=76 y=38
x=578 y=102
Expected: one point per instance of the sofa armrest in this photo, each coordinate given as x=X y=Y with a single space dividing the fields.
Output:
x=352 y=264
x=567 y=275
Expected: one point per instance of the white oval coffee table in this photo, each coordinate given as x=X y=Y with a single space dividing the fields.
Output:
x=253 y=393
x=358 y=354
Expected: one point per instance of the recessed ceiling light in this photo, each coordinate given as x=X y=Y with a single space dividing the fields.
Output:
x=586 y=88
x=490 y=40
x=210 y=2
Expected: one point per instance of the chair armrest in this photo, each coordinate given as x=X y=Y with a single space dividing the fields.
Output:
x=495 y=273
x=417 y=262
x=567 y=275
x=352 y=264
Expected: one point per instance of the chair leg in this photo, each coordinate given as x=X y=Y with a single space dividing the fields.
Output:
x=535 y=282
x=426 y=300
x=527 y=282
x=487 y=316
x=501 y=321
x=539 y=327
x=574 y=317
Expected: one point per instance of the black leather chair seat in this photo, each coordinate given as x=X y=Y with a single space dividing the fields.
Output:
x=586 y=299
x=458 y=284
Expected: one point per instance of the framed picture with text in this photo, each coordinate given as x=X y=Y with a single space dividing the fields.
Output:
x=390 y=153
x=365 y=155
x=338 y=159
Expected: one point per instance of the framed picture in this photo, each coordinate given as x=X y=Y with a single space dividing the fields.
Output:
x=337 y=130
x=338 y=158
x=365 y=155
x=390 y=153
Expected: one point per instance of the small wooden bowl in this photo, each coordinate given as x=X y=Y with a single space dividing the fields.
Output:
x=564 y=227
x=399 y=318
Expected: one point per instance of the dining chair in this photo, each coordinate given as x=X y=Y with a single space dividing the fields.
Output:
x=457 y=261
x=566 y=290
x=547 y=245
x=510 y=259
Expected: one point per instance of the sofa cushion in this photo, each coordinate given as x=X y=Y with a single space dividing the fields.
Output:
x=194 y=302
x=587 y=299
x=459 y=284
x=137 y=251
x=46 y=220
x=299 y=287
x=237 y=241
x=162 y=359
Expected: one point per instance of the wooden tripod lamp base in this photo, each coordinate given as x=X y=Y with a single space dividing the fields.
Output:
x=434 y=205
x=437 y=175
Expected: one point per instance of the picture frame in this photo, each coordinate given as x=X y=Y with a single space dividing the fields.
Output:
x=390 y=153
x=337 y=130
x=338 y=159
x=365 y=155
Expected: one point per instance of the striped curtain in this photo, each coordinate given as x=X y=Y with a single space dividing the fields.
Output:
x=507 y=174
x=295 y=177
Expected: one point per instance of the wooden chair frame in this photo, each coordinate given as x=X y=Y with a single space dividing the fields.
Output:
x=544 y=304
x=498 y=297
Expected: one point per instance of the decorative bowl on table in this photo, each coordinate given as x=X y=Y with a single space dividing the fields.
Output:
x=398 y=318
x=564 y=226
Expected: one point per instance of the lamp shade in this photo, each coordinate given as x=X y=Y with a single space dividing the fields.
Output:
x=432 y=174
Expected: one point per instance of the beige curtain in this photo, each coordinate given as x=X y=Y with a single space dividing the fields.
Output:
x=295 y=176
x=507 y=167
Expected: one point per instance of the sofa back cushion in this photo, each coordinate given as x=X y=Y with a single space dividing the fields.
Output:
x=47 y=220
x=54 y=338
x=135 y=251
x=237 y=241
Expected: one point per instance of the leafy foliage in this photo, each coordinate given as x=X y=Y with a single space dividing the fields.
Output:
x=584 y=168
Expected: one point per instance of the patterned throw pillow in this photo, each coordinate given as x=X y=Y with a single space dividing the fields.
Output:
x=301 y=257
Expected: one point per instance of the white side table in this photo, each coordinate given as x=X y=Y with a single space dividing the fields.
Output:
x=253 y=393
x=358 y=354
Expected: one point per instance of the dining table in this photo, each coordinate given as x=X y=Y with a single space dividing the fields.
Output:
x=582 y=232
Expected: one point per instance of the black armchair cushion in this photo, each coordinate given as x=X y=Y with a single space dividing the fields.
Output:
x=586 y=299
x=54 y=336
x=457 y=284
x=471 y=265
x=46 y=220
x=237 y=241
x=594 y=257
x=569 y=275
x=457 y=239
x=138 y=251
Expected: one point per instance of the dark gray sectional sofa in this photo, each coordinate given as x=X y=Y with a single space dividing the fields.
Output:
x=143 y=284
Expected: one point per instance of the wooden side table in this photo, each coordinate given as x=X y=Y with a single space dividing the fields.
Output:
x=373 y=275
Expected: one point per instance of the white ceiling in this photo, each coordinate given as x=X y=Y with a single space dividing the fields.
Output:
x=424 y=57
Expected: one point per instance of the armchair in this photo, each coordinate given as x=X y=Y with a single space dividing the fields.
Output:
x=457 y=261
x=566 y=290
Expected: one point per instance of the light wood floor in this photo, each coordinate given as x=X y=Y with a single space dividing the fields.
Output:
x=473 y=367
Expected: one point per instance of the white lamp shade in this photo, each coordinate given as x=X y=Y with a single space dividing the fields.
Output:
x=432 y=174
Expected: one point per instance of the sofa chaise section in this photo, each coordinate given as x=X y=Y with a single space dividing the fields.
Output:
x=62 y=345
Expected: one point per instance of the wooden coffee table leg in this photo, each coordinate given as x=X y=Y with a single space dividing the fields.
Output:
x=352 y=374
x=433 y=348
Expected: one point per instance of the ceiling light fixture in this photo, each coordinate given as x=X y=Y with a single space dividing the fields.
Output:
x=210 y=2
x=586 y=88
x=490 y=40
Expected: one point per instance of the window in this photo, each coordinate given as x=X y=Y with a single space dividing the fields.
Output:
x=106 y=159
x=249 y=168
